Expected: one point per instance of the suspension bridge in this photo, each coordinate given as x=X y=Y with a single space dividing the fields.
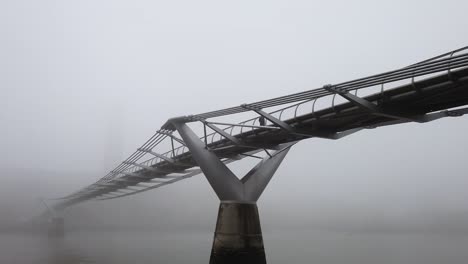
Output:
x=205 y=143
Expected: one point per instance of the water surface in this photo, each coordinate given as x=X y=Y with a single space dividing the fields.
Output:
x=304 y=246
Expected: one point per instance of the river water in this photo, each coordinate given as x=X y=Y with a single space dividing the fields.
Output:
x=300 y=246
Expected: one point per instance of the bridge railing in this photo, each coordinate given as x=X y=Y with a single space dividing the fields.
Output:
x=374 y=84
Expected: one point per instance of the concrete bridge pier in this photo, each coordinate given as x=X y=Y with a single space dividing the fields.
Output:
x=238 y=235
x=56 y=227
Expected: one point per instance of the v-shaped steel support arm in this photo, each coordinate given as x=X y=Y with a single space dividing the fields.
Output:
x=223 y=181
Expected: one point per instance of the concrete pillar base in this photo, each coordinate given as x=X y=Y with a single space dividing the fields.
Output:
x=238 y=236
x=56 y=227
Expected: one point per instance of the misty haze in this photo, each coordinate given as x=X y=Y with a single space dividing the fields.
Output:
x=84 y=84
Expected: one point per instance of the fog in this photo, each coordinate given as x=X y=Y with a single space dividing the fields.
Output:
x=84 y=83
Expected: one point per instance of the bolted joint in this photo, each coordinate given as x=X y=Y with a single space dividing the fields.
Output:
x=169 y=125
x=194 y=118
x=334 y=89
x=251 y=107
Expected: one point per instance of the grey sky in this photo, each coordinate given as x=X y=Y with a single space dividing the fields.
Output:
x=84 y=83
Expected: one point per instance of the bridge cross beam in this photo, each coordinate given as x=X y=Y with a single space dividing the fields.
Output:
x=370 y=106
x=238 y=237
x=292 y=130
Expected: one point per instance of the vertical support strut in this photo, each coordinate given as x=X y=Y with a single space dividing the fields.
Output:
x=224 y=182
x=238 y=235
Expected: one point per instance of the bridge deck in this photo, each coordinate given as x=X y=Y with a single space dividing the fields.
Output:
x=418 y=101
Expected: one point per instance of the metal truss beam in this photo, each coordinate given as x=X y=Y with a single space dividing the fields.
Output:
x=242 y=125
x=172 y=136
x=170 y=160
x=223 y=133
x=270 y=118
x=286 y=127
x=233 y=139
x=369 y=106
x=165 y=158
